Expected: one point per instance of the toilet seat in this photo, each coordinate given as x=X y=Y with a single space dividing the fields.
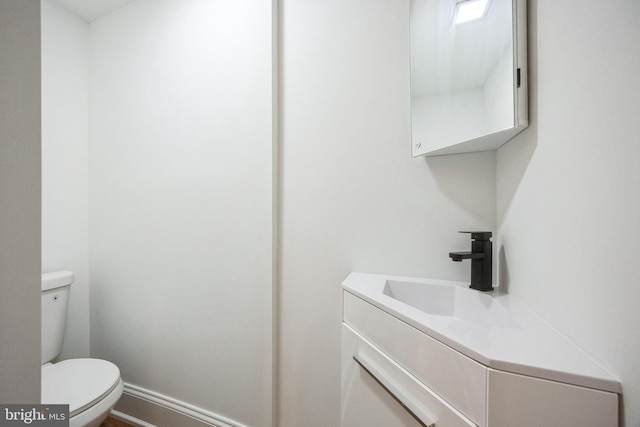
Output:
x=80 y=383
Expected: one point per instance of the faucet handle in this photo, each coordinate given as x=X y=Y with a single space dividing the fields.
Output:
x=479 y=235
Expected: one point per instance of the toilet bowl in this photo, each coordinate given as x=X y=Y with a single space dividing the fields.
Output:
x=91 y=387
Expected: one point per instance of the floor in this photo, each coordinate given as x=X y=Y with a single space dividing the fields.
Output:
x=112 y=422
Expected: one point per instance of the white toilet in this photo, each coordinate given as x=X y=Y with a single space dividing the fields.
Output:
x=91 y=387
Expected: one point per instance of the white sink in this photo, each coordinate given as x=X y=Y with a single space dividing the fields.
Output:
x=464 y=304
x=491 y=328
x=484 y=358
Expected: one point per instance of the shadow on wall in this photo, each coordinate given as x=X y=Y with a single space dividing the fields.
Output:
x=515 y=156
x=466 y=179
x=503 y=273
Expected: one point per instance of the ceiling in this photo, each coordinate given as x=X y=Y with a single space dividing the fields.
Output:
x=90 y=10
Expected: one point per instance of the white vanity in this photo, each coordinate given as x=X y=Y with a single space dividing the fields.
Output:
x=435 y=353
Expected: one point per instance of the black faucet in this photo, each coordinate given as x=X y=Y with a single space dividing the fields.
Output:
x=481 y=260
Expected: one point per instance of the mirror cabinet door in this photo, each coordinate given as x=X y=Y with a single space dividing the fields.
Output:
x=468 y=75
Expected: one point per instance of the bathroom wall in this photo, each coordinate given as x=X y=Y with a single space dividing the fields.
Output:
x=352 y=198
x=20 y=201
x=568 y=197
x=65 y=198
x=180 y=204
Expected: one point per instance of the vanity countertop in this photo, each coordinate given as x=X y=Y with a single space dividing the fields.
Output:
x=521 y=344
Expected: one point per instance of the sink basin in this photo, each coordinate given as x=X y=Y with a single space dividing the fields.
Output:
x=453 y=301
x=492 y=328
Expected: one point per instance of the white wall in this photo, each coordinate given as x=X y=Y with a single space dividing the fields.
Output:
x=180 y=205
x=352 y=199
x=65 y=198
x=568 y=187
x=20 y=201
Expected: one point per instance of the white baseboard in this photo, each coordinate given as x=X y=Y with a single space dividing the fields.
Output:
x=138 y=404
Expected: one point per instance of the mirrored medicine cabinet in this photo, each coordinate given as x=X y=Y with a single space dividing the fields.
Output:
x=468 y=75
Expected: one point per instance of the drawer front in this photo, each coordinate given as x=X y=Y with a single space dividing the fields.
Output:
x=531 y=402
x=377 y=392
x=458 y=379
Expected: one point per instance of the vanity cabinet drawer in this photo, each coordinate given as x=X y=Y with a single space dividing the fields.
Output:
x=377 y=392
x=518 y=400
x=459 y=380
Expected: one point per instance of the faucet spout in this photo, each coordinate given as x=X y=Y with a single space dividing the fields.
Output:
x=459 y=256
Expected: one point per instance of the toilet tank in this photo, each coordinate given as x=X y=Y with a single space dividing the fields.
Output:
x=55 y=300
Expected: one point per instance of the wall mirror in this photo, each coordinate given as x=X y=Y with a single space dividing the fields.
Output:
x=468 y=74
